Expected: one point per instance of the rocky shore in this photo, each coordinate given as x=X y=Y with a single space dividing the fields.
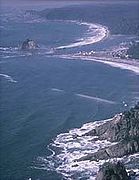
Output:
x=95 y=149
x=114 y=171
x=122 y=129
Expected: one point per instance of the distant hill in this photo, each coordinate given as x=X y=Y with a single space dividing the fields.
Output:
x=120 y=18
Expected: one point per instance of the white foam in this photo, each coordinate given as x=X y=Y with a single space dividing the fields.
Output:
x=96 y=33
x=95 y=98
x=10 y=52
x=13 y=56
x=123 y=66
x=8 y=48
x=9 y=78
x=74 y=145
x=49 y=148
x=87 y=96
x=57 y=90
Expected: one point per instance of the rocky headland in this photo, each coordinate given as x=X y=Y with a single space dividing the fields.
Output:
x=123 y=129
x=106 y=149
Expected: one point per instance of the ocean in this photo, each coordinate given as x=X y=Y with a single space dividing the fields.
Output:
x=47 y=92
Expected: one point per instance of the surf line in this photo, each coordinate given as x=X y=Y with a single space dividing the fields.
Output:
x=57 y=90
x=86 y=96
x=129 y=65
x=95 y=98
x=101 y=32
x=9 y=78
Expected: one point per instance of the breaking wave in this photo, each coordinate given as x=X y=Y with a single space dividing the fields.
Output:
x=95 y=98
x=8 y=78
x=57 y=90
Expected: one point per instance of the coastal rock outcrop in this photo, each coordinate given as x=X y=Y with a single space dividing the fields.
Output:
x=29 y=44
x=112 y=171
x=122 y=131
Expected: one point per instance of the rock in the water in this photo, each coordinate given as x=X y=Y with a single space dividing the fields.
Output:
x=112 y=171
x=29 y=44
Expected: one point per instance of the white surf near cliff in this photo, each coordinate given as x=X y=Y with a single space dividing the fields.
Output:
x=67 y=148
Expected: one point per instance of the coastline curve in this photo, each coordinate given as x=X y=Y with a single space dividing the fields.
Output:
x=96 y=33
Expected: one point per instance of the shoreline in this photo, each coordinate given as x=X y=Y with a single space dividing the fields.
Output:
x=131 y=65
x=102 y=35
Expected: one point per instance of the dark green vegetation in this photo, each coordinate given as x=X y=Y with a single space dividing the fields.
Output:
x=130 y=124
x=119 y=18
x=112 y=171
x=133 y=51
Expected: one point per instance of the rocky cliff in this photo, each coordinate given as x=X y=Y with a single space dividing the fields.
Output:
x=114 y=171
x=123 y=129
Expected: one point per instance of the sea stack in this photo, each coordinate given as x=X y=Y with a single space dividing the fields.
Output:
x=29 y=44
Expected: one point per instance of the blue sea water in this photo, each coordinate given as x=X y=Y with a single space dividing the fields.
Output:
x=40 y=91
